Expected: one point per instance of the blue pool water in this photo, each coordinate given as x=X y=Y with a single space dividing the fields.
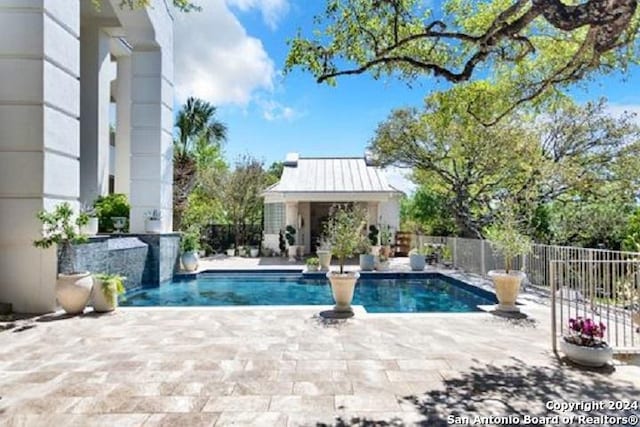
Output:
x=428 y=293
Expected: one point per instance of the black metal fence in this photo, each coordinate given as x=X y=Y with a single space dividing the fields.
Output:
x=219 y=237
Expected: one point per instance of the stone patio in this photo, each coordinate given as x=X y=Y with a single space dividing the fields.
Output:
x=287 y=367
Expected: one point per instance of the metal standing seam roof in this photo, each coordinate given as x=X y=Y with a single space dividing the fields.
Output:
x=332 y=175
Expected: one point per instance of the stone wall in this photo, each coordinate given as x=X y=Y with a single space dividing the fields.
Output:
x=144 y=259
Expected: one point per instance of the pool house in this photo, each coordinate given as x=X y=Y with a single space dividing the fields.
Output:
x=309 y=186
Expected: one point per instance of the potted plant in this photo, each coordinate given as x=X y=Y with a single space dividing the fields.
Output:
x=119 y=223
x=418 y=258
x=254 y=252
x=374 y=239
x=585 y=345
x=290 y=236
x=386 y=235
x=367 y=260
x=89 y=218
x=112 y=206
x=231 y=251
x=631 y=299
x=153 y=222
x=73 y=288
x=506 y=239
x=446 y=256
x=190 y=244
x=343 y=229
x=313 y=264
x=106 y=290
x=383 y=263
x=324 y=254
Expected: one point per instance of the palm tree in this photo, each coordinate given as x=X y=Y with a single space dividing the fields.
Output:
x=198 y=134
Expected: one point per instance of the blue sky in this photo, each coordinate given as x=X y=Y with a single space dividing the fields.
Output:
x=233 y=52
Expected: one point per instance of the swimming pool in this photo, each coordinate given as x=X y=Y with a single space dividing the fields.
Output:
x=378 y=294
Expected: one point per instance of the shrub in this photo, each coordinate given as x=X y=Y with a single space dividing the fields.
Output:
x=190 y=241
x=110 y=206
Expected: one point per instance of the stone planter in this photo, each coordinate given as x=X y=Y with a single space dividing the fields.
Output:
x=382 y=265
x=342 y=287
x=417 y=262
x=231 y=252
x=325 y=259
x=189 y=261
x=153 y=226
x=586 y=356
x=73 y=291
x=91 y=227
x=101 y=303
x=312 y=268
x=292 y=251
x=254 y=252
x=507 y=288
x=367 y=262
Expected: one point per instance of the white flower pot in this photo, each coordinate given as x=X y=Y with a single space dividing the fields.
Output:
x=91 y=227
x=254 y=252
x=367 y=262
x=417 y=262
x=189 y=261
x=325 y=259
x=586 y=356
x=231 y=252
x=507 y=287
x=73 y=291
x=101 y=303
x=312 y=268
x=342 y=287
x=153 y=226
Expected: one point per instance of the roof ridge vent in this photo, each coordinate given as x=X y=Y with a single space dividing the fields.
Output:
x=292 y=160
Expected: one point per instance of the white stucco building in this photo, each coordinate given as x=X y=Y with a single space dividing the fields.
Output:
x=309 y=186
x=63 y=64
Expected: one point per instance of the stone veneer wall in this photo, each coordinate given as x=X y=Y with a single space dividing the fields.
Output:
x=144 y=259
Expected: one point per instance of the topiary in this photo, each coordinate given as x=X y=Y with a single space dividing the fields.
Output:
x=107 y=207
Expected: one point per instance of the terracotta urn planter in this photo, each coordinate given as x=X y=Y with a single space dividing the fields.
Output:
x=325 y=259
x=507 y=287
x=587 y=356
x=342 y=288
x=73 y=291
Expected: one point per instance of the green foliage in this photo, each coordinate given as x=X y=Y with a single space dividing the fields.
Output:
x=373 y=235
x=113 y=205
x=181 y=5
x=59 y=227
x=290 y=235
x=313 y=262
x=282 y=243
x=274 y=173
x=190 y=241
x=386 y=235
x=426 y=212
x=343 y=230
x=505 y=237
x=523 y=51
x=112 y=285
x=631 y=240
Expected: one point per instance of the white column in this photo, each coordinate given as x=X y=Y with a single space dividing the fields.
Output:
x=151 y=139
x=95 y=88
x=39 y=140
x=123 y=126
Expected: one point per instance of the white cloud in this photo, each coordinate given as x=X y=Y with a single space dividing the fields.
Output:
x=215 y=58
x=273 y=111
x=272 y=10
x=399 y=178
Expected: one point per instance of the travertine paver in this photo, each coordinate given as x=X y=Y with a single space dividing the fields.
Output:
x=286 y=367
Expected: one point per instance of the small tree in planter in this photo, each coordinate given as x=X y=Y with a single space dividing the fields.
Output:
x=290 y=236
x=344 y=232
x=374 y=239
x=107 y=289
x=507 y=240
x=324 y=253
x=190 y=244
x=367 y=259
x=60 y=227
x=585 y=343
